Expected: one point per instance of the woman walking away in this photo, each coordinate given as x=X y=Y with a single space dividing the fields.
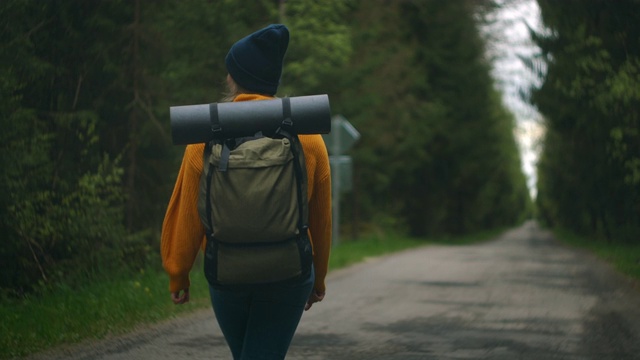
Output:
x=258 y=321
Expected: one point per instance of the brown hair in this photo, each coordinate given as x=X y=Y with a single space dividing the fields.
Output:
x=232 y=90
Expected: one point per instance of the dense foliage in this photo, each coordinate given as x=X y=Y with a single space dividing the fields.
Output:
x=589 y=170
x=85 y=88
x=438 y=153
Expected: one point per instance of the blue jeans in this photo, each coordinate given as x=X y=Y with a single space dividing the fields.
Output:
x=259 y=322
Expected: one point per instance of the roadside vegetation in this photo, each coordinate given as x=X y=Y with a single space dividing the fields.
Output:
x=94 y=310
x=623 y=256
x=588 y=96
x=589 y=99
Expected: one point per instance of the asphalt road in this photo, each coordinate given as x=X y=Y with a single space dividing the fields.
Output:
x=520 y=296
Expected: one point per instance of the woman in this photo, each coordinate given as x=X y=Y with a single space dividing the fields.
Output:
x=259 y=322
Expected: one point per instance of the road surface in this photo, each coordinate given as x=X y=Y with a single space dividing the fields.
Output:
x=520 y=296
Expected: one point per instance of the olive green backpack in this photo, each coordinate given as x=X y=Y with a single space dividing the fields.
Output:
x=253 y=204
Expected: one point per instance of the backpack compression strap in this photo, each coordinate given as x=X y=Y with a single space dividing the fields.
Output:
x=286 y=129
x=213 y=118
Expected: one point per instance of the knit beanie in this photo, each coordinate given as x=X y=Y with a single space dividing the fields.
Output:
x=255 y=61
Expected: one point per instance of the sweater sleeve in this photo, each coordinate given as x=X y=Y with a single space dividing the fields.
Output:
x=319 y=206
x=182 y=230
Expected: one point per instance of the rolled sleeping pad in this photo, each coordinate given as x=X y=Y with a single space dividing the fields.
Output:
x=193 y=124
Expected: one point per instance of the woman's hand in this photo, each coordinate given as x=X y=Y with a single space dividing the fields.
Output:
x=313 y=298
x=180 y=297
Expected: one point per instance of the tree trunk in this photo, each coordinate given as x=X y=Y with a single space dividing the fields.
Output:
x=134 y=119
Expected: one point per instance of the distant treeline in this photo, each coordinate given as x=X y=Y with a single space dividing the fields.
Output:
x=589 y=169
x=85 y=88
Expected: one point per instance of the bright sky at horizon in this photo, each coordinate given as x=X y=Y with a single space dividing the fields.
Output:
x=509 y=41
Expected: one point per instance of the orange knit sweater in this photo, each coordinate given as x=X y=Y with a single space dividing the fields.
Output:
x=183 y=234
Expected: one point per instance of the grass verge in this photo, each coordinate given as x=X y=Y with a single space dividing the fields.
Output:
x=99 y=309
x=119 y=305
x=351 y=252
x=624 y=257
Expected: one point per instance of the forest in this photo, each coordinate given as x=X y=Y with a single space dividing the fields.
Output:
x=589 y=168
x=88 y=163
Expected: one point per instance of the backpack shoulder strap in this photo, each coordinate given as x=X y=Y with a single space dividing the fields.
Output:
x=208 y=168
x=301 y=176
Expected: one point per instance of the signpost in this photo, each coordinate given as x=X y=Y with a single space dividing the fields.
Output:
x=342 y=137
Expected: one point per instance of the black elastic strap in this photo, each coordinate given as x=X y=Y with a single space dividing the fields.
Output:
x=286 y=108
x=286 y=127
x=213 y=118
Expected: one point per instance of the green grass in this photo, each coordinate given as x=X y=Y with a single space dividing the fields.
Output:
x=624 y=257
x=66 y=316
x=351 y=252
x=103 y=308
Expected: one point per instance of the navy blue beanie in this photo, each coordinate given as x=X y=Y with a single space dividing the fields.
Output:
x=255 y=61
